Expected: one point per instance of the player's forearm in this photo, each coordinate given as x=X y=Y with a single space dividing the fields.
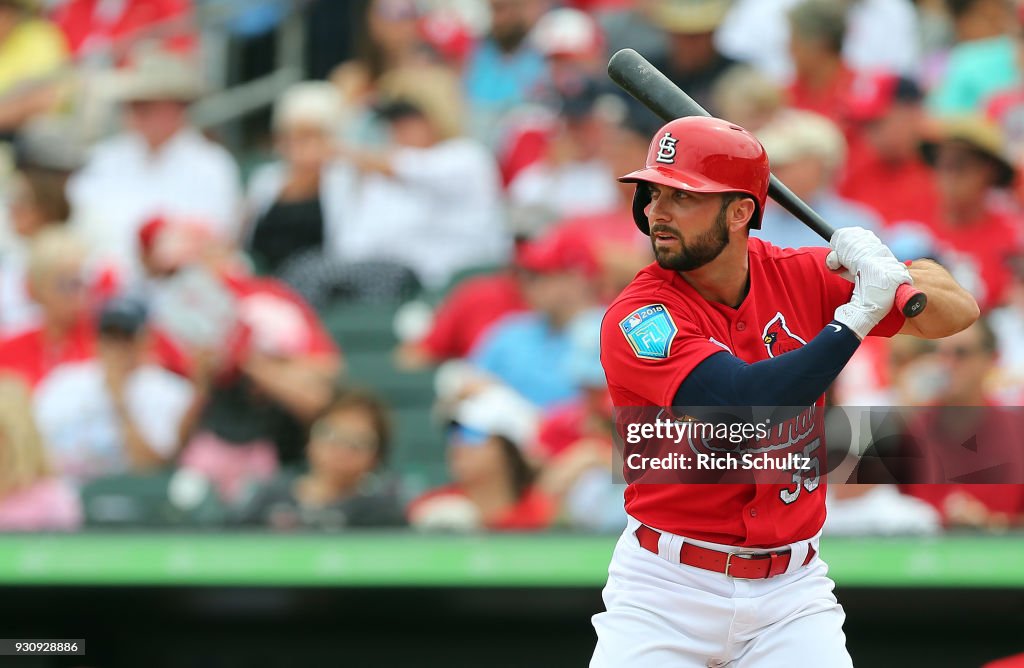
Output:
x=301 y=387
x=366 y=161
x=951 y=309
x=797 y=378
x=139 y=452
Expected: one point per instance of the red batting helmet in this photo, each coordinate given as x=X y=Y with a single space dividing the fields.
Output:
x=702 y=155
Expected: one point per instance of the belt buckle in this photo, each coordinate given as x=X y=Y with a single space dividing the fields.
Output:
x=728 y=562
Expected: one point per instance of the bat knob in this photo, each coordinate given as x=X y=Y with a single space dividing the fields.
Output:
x=910 y=301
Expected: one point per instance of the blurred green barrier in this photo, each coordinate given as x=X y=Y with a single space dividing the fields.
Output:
x=415 y=560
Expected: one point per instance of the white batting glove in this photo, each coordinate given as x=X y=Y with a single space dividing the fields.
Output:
x=874 y=292
x=851 y=245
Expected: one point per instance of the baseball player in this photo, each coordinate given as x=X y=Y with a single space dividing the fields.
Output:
x=729 y=574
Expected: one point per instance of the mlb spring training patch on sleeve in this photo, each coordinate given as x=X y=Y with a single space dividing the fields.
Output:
x=650 y=331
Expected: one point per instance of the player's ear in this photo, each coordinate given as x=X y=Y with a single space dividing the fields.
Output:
x=739 y=214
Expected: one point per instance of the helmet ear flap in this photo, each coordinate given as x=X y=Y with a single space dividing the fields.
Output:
x=641 y=200
x=757 y=217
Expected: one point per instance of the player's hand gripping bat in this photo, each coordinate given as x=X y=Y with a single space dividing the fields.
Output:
x=643 y=81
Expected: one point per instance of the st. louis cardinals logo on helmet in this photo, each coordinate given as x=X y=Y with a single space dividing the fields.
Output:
x=667 y=149
x=778 y=339
x=716 y=157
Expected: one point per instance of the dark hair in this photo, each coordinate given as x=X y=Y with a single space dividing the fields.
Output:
x=350 y=398
x=368 y=51
x=122 y=317
x=399 y=109
x=989 y=342
x=907 y=91
x=47 y=187
x=19 y=5
x=823 y=20
x=957 y=8
x=521 y=474
x=730 y=197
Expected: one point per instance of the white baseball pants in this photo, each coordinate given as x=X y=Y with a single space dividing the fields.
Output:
x=669 y=615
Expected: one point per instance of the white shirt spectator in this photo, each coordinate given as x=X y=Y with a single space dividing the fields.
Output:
x=574 y=189
x=123 y=184
x=880 y=511
x=881 y=35
x=76 y=416
x=439 y=214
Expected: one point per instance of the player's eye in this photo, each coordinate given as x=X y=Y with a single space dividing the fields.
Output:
x=653 y=192
x=681 y=194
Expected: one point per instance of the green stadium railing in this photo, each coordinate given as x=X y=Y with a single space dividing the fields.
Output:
x=420 y=560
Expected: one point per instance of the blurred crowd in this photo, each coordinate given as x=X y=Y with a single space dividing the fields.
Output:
x=189 y=337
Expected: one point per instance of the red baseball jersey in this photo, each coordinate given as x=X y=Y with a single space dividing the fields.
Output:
x=660 y=328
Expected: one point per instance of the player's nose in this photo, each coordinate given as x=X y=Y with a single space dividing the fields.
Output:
x=657 y=212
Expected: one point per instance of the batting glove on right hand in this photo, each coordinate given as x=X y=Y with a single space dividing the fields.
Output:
x=852 y=245
x=874 y=291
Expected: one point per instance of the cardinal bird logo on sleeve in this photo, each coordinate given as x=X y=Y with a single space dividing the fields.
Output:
x=778 y=339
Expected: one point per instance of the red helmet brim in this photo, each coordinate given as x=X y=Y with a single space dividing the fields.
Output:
x=674 y=179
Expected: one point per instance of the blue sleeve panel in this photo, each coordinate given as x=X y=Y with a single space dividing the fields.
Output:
x=796 y=378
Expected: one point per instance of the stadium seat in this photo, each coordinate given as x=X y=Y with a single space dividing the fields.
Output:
x=145 y=501
x=358 y=327
x=434 y=297
x=366 y=336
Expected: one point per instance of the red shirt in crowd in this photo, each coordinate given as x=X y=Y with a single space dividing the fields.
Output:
x=898 y=192
x=986 y=244
x=611 y=241
x=983 y=456
x=533 y=511
x=32 y=355
x=601 y=231
x=469 y=311
x=523 y=146
x=1007 y=109
x=276 y=318
x=561 y=427
x=567 y=424
x=86 y=27
x=830 y=101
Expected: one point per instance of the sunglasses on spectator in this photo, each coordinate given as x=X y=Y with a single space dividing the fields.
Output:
x=69 y=284
x=396 y=10
x=960 y=162
x=118 y=334
x=466 y=436
x=960 y=353
x=343 y=438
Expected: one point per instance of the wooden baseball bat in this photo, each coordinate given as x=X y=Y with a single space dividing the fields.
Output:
x=643 y=81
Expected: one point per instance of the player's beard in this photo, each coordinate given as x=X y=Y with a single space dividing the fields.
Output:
x=706 y=247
